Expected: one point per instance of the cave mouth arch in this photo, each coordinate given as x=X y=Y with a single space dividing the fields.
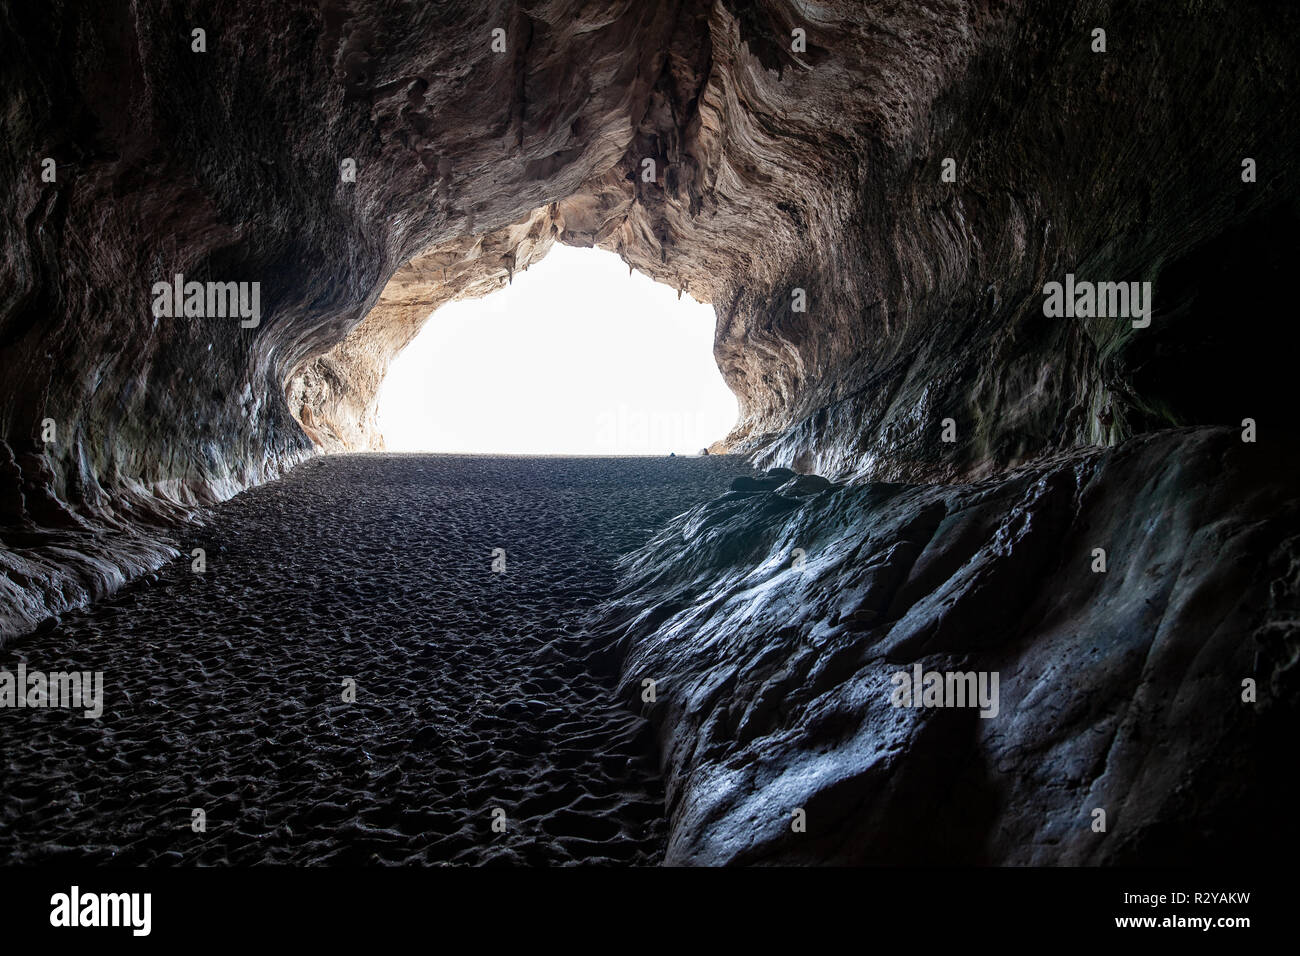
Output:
x=579 y=355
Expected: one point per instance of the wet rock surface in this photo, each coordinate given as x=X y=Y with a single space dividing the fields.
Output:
x=773 y=624
x=474 y=690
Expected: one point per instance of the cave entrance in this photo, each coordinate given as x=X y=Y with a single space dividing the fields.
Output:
x=574 y=357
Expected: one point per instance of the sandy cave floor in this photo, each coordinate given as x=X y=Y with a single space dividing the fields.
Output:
x=223 y=691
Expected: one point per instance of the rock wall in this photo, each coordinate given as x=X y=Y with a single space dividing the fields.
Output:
x=773 y=623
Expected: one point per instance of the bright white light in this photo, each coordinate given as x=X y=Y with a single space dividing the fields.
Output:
x=574 y=358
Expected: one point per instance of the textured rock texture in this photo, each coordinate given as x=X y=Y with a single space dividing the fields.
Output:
x=1119 y=690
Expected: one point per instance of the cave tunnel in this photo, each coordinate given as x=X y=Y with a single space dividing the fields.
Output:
x=999 y=564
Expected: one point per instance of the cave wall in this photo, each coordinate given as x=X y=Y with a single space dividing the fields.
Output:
x=1065 y=164
x=821 y=170
x=773 y=623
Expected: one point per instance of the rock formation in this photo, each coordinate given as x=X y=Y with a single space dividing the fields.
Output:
x=786 y=162
x=774 y=623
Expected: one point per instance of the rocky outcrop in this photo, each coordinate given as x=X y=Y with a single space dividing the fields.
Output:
x=772 y=624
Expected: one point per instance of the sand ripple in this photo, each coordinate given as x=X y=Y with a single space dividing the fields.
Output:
x=223 y=691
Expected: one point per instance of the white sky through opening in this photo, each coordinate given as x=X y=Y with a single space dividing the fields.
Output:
x=576 y=357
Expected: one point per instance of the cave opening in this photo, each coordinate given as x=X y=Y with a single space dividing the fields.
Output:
x=578 y=355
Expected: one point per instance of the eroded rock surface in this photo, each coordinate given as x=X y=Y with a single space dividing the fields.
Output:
x=773 y=624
